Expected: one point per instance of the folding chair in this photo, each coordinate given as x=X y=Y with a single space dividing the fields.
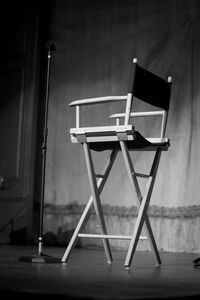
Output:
x=153 y=90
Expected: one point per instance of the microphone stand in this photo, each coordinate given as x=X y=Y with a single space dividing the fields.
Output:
x=41 y=257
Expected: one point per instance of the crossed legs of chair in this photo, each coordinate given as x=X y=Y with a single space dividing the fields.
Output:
x=143 y=204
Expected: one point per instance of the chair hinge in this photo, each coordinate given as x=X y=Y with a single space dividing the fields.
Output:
x=81 y=138
x=122 y=136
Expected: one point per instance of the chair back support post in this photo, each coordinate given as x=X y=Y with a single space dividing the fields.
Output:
x=128 y=108
x=130 y=94
x=164 y=123
x=165 y=114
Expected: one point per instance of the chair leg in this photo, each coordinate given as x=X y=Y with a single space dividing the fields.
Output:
x=143 y=218
x=96 y=199
x=86 y=213
x=142 y=214
x=152 y=241
x=84 y=217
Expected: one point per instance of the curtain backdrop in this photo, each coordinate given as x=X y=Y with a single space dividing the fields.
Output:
x=95 y=42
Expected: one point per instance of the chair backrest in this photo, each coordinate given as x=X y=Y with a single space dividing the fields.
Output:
x=151 y=89
x=143 y=85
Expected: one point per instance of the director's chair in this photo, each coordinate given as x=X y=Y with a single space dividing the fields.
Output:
x=123 y=136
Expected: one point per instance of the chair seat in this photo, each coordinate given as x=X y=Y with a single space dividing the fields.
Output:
x=138 y=143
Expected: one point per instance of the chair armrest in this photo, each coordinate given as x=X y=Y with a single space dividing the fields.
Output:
x=162 y=113
x=96 y=100
x=139 y=114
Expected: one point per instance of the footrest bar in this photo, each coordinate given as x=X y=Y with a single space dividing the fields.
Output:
x=107 y=236
x=142 y=175
x=99 y=176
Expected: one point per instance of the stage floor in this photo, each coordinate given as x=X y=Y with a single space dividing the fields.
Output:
x=88 y=276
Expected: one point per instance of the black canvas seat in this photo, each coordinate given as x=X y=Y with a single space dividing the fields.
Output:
x=138 y=143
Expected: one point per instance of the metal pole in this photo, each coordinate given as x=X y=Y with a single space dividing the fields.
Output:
x=41 y=257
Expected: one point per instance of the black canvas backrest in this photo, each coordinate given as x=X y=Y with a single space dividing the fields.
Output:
x=151 y=88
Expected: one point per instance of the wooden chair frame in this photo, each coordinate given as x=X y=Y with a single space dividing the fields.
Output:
x=120 y=134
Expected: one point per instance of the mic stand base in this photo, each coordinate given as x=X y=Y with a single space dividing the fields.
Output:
x=40 y=258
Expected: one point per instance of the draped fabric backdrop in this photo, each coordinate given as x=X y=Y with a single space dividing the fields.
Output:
x=96 y=41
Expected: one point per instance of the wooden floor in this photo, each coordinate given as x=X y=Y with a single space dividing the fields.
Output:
x=88 y=276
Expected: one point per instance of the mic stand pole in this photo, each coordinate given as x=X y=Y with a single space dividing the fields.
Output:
x=41 y=257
